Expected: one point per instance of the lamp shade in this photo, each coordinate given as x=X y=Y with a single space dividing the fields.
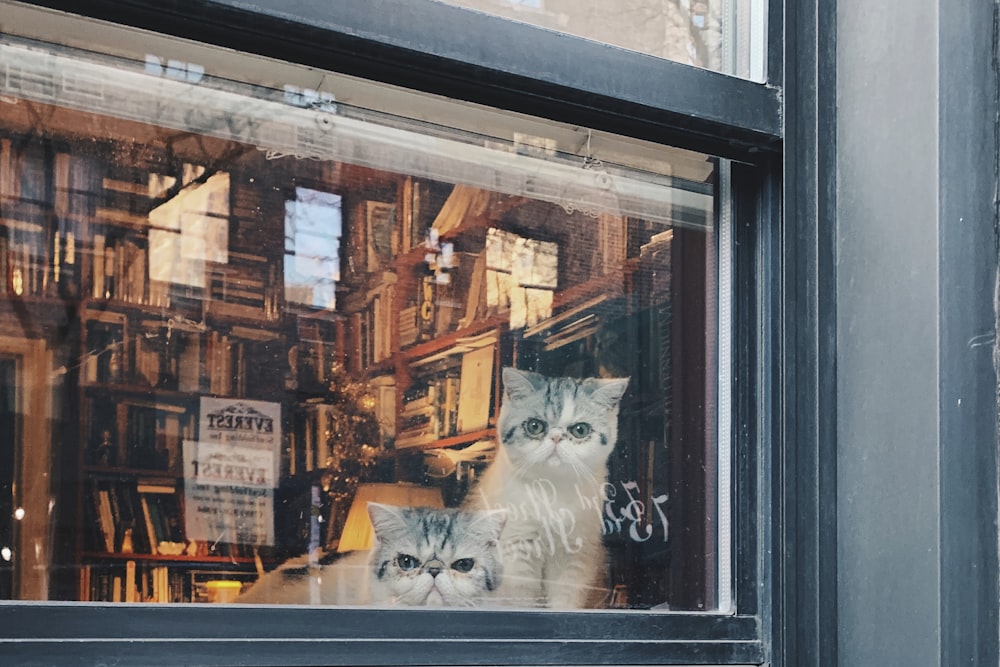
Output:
x=358 y=531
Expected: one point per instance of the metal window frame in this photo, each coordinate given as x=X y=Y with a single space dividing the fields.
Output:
x=521 y=68
x=411 y=43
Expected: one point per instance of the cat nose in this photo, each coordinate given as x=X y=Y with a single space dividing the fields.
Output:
x=434 y=567
x=556 y=436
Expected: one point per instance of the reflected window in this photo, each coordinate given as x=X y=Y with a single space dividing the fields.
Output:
x=713 y=34
x=312 y=248
x=188 y=231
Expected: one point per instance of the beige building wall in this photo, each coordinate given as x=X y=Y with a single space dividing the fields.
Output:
x=685 y=31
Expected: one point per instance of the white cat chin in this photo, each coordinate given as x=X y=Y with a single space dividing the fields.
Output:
x=434 y=598
x=554 y=460
x=564 y=465
x=566 y=460
x=553 y=466
x=431 y=592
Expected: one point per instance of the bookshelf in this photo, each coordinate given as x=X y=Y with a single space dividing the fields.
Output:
x=183 y=275
x=156 y=272
x=503 y=280
x=176 y=306
x=482 y=280
x=444 y=349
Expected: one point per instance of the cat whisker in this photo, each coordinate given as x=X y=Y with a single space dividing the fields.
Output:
x=529 y=463
x=583 y=470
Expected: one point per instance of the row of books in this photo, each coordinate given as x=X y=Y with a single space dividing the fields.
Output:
x=126 y=517
x=381 y=305
x=38 y=261
x=132 y=582
x=46 y=234
x=23 y=264
x=409 y=331
x=429 y=411
x=42 y=226
x=136 y=517
x=43 y=258
x=138 y=434
x=104 y=357
x=225 y=364
x=372 y=322
x=164 y=356
x=245 y=286
x=314 y=357
x=120 y=270
x=309 y=440
x=453 y=392
x=446 y=302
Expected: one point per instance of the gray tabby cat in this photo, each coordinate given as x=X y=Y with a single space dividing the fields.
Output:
x=421 y=556
x=556 y=435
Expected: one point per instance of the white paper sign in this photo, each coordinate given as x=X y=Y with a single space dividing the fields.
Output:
x=231 y=471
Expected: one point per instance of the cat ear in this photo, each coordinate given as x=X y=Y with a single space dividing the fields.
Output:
x=385 y=518
x=609 y=392
x=490 y=523
x=518 y=383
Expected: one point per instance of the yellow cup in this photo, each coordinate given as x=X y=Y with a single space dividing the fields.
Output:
x=223 y=591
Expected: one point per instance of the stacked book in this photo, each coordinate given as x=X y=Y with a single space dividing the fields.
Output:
x=409 y=332
x=429 y=413
x=418 y=420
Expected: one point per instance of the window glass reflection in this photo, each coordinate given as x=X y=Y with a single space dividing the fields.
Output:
x=312 y=246
x=265 y=350
x=702 y=33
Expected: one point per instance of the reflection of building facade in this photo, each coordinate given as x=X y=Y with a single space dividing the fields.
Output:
x=684 y=31
x=280 y=295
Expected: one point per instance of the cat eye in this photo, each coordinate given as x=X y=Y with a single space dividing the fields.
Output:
x=463 y=564
x=407 y=562
x=535 y=427
x=580 y=430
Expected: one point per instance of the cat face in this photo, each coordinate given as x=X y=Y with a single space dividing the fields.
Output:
x=559 y=427
x=435 y=557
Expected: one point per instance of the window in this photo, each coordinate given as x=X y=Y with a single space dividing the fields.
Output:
x=258 y=312
x=721 y=35
x=312 y=242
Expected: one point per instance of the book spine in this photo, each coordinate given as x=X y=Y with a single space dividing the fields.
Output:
x=97 y=290
x=130 y=589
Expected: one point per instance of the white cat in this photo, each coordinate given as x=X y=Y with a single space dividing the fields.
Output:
x=421 y=556
x=556 y=435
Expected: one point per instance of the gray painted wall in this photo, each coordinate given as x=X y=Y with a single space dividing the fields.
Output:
x=887 y=303
x=916 y=258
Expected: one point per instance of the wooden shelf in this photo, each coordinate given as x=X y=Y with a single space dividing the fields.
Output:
x=212 y=316
x=447 y=340
x=179 y=558
x=131 y=473
x=123 y=305
x=138 y=390
x=451 y=441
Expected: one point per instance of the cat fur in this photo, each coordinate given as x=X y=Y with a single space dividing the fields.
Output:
x=550 y=484
x=435 y=540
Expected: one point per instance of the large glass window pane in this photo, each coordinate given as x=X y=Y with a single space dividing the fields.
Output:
x=721 y=35
x=261 y=345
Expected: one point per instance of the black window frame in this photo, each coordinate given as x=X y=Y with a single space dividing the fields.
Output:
x=777 y=536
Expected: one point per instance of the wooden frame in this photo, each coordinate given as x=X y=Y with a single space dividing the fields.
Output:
x=32 y=468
